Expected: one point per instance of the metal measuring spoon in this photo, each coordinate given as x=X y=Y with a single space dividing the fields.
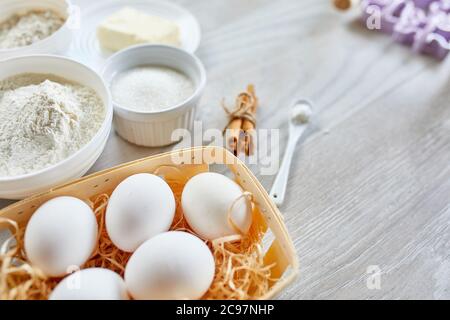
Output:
x=301 y=113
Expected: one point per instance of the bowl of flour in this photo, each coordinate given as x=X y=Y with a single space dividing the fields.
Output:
x=156 y=90
x=35 y=27
x=55 y=118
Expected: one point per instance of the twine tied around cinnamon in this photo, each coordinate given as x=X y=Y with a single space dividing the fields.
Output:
x=242 y=122
x=244 y=109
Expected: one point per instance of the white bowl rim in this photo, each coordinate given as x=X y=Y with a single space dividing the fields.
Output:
x=196 y=95
x=107 y=122
x=45 y=40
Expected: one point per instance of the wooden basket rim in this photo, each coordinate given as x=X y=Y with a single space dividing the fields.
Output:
x=290 y=253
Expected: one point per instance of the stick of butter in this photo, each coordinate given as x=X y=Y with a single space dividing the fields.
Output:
x=129 y=27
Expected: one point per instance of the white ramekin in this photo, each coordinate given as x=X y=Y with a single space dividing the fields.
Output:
x=57 y=43
x=154 y=129
x=75 y=166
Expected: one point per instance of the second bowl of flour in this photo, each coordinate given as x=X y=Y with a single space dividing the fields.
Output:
x=155 y=90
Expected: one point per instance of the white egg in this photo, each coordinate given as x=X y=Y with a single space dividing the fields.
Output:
x=61 y=234
x=210 y=200
x=171 y=266
x=141 y=207
x=91 y=284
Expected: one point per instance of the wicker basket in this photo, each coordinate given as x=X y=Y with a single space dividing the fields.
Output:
x=280 y=249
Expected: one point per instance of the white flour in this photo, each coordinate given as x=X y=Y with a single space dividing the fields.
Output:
x=43 y=120
x=26 y=29
x=151 y=88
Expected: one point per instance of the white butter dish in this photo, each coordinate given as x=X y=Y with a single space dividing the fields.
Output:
x=86 y=46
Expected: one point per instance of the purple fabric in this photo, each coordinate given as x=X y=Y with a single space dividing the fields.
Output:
x=424 y=25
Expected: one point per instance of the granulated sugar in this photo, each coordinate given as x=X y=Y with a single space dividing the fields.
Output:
x=43 y=120
x=25 y=29
x=151 y=88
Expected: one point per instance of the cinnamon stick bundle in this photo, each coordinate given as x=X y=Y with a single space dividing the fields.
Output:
x=345 y=4
x=242 y=125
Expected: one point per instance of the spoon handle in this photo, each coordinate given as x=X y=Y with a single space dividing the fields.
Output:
x=278 y=191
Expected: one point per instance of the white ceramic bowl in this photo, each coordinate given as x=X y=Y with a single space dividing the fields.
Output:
x=75 y=166
x=155 y=128
x=58 y=42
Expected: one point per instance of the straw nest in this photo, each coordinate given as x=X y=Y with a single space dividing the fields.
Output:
x=240 y=270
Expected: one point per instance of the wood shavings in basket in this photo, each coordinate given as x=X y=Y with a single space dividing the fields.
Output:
x=240 y=270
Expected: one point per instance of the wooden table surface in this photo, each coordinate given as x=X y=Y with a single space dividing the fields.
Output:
x=370 y=185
